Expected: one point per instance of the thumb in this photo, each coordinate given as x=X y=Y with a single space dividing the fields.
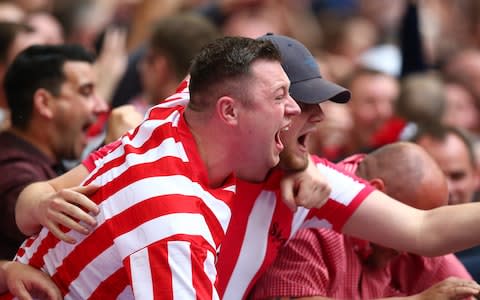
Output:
x=287 y=189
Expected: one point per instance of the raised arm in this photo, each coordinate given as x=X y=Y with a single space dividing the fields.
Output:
x=56 y=202
x=439 y=231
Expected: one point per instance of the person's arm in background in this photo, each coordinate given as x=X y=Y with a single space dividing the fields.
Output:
x=411 y=45
x=46 y=203
x=26 y=282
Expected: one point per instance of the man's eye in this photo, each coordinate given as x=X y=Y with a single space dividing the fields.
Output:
x=86 y=91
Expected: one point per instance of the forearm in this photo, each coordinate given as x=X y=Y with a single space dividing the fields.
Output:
x=31 y=198
x=382 y=220
x=27 y=203
x=451 y=228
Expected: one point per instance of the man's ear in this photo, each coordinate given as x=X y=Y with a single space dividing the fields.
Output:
x=43 y=103
x=227 y=110
x=378 y=184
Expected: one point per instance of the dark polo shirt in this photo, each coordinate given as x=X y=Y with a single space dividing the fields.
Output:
x=20 y=164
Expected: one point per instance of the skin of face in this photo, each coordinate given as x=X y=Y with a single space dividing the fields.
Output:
x=294 y=156
x=461 y=110
x=268 y=112
x=76 y=108
x=151 y=70
x=452 y=157
x=372 y=104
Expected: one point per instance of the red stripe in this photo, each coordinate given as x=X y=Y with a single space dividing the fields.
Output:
x=111 y=287
x=161 y=273
x=235 y=235
x=152 y=142
x=200 y=281
x=84 y=253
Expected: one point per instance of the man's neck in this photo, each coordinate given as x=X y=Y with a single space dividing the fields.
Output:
x=212 y=148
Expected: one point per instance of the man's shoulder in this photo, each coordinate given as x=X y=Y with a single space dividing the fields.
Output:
x=19 y=155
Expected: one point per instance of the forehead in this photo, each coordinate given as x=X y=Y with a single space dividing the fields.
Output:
x=269 y=73
x=79 y=72
x=448 y=153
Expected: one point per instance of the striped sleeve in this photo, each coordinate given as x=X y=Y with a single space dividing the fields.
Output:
x=348 y=192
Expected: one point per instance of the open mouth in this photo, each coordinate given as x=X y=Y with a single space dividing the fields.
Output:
x=302 y=142
x=278 y=140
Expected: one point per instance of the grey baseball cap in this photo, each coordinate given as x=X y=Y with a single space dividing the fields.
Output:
x=307 y=84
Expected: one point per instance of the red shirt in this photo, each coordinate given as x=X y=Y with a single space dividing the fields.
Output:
x=321 y=262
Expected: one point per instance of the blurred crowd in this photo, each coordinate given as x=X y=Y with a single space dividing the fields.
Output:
x=413 y=68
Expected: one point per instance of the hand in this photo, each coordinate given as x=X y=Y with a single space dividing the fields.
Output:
x=26 y=282
x=122 y=119
x=308 y=188
x=450 y=289
x=68 y=208
x=111 y=62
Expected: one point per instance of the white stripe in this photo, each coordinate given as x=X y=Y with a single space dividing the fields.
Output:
x=168 y=148
x=146 y=188
x=231 y=188
x=344 y=188
x=161 y=228
x=144 y=133
x=94 y=273
x=316 y=223
x=126 y=294
x=29 y=251
x=146 y=129
x=141 y=275
x=254 y=246
x=181 y=267
x=211 y=271
x=183 y=100
x=298 y=219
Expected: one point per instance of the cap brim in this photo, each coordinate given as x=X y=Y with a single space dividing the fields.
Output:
x=318 y=90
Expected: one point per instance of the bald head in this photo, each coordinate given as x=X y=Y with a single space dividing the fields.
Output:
x=408 y=173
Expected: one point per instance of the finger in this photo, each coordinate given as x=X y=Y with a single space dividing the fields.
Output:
x=70 y=223
x=87 y=190
x=65 y=209
x=288 y=194
x=79 y=196
x=310 y=196
x=57 y=232
x=20 y=291
x=461 y=292
x=48 y=288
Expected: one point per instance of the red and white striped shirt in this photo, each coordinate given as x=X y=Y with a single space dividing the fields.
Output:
x=160 y=226
x=261 y=223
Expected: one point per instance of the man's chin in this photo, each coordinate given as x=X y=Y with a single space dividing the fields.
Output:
x=293 y=163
